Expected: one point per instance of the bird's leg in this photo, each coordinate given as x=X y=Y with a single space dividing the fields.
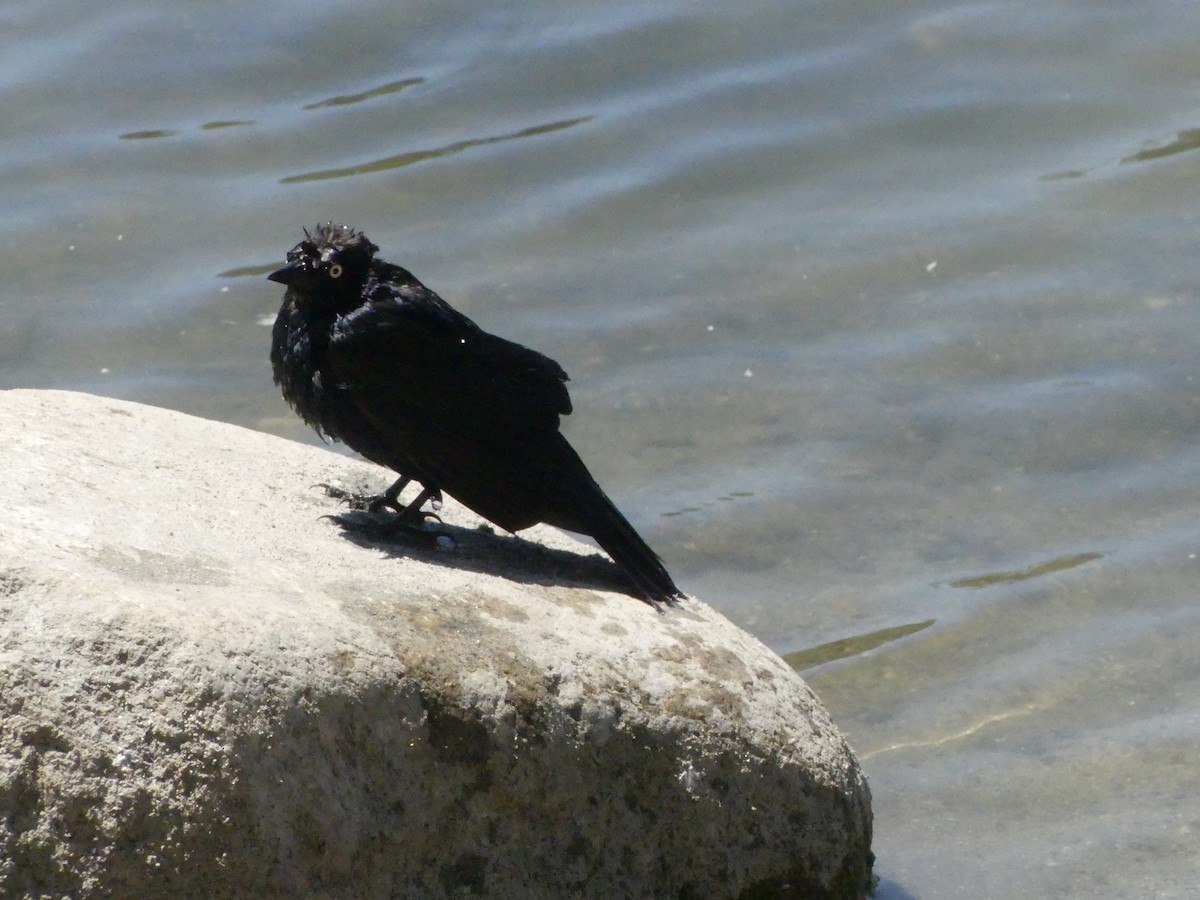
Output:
x=389 y=499
x=407 y=522
x=412 y=516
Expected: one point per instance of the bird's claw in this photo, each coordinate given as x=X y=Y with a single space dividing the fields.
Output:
x=406 y=522
x=359 y=502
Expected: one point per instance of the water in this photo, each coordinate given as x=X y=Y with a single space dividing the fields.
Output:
x=880 y=317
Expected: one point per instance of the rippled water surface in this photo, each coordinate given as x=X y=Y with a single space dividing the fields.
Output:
x=881 y=320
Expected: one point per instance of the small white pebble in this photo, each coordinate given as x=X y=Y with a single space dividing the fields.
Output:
x=104 y=371
x=748 y=374
x=120 y=237
x=708 y=328
x=225 y=290
x=931 y=266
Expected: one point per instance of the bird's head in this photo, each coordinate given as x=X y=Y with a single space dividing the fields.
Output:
x=328 y=268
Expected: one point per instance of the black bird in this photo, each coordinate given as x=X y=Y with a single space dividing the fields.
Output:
x=369 y=356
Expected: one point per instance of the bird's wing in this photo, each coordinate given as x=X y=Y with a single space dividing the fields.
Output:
x=408 y=353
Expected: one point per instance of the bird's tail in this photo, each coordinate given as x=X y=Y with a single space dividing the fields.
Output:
x=592 y=513
x=635 y=557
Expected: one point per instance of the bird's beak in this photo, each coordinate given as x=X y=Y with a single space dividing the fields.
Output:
x=289 y=274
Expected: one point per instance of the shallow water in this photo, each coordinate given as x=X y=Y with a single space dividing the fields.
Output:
x=880 y=317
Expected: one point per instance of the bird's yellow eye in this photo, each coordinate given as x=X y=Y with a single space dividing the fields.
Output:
x=335 y=271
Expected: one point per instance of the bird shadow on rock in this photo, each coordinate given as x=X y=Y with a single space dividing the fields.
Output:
x=485 y=551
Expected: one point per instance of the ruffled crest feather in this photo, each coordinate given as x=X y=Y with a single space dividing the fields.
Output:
x=340 y=237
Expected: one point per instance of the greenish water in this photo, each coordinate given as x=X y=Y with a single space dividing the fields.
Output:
x=881 y=320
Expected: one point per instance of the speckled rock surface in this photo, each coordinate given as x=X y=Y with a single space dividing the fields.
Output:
x=206 y=690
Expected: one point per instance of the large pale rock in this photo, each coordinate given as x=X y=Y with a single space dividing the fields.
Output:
x=206 y=690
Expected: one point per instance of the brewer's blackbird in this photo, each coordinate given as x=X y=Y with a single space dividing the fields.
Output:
x=370 y=356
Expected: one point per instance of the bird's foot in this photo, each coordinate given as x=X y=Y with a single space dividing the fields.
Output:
x=389 y=499
x=407 y=523
x=361 y=502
